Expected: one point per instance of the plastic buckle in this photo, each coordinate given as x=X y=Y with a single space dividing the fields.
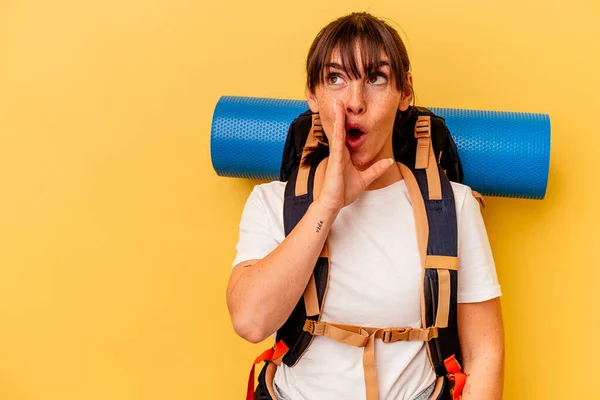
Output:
x=423 y=129
x=394 y=335
x=433 y=333
x=309 y=326
x=387 y=335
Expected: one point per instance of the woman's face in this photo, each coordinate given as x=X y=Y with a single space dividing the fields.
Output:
x=370 y=102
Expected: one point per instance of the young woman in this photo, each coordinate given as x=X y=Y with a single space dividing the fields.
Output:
x=358 y=77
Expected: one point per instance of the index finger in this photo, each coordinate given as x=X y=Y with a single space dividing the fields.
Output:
x=339 y=127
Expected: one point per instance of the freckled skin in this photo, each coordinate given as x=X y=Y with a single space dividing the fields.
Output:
x=371 y=101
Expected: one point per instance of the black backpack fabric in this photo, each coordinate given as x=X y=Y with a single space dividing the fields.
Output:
x=404 y=143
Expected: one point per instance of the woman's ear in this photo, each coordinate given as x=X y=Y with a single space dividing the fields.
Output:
x=407 y=94
x=312 y=101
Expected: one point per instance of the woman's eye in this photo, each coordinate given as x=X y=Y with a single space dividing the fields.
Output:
x=334 y=79
x=378 y=79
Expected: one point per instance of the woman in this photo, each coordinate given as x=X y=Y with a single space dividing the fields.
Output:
x=357 y=79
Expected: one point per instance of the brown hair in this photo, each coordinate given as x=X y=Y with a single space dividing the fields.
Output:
x=371 y=35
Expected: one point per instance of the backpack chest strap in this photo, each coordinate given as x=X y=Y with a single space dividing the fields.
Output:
x=360 y=336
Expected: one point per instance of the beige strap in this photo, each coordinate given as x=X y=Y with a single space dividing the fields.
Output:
x=312 y=141
x=425 y=157
x=311 y=301
x=370 y=370
x=325 y=249
x=423 y=135
x=434 y=184
x=439 y=385
x=269 y=375
x=317 y=129
x=359 y=336
x=420 y=215
x=348 y=334
x=443 y=310
x=479 y=198
x=442 y=262
x=422 y=228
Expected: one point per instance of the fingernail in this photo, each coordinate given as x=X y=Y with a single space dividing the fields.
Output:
x=391 y=160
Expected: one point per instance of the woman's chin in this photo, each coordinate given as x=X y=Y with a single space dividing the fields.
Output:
x=360 y=161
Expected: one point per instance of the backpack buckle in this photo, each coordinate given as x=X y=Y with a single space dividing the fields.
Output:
x=395 y=334
x=433 y=333
x=309 y=326
x=423 y=127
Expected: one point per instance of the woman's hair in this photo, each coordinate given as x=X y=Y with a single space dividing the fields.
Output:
x=371 y=35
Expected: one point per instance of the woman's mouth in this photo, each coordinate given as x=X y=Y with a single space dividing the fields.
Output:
x=354 y=138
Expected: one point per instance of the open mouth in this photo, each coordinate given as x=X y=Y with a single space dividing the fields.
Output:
x=355 y=133
x=354 y=138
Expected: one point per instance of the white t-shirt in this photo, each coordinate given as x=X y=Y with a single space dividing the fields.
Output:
x=375 y=281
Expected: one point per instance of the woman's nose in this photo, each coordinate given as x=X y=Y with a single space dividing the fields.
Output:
x=355 y=102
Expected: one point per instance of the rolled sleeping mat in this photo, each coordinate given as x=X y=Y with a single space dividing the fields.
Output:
x=505 y=154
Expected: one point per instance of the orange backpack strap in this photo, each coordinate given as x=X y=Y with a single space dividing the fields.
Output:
x=274 y=354
x=456 y=377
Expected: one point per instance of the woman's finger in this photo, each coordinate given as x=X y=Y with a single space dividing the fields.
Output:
x=339 y=130
x=375 y=171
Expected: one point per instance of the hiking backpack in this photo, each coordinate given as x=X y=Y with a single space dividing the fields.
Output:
x=428 y=159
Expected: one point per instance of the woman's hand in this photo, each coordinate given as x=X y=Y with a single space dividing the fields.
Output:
x=343 y=182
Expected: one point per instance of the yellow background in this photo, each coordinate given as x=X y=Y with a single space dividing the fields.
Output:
x=117 y=236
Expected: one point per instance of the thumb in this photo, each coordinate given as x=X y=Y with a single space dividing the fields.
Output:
x=376 y=170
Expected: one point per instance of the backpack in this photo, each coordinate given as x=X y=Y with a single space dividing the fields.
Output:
x=403 y=140
x=428 y=160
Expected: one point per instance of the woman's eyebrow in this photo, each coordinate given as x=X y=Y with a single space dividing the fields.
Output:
x=382 y=63
x=334 y=65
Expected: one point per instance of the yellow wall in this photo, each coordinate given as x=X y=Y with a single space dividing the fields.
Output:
x=117 y=236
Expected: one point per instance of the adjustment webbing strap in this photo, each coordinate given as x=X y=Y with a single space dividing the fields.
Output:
x=275 y=355
x=443 y=265
x=359 y=336
x=443 y=308
x=422 y=230
x=311 y=300
x=442 y=262
x=456 y=376
x=312 y=141
x=425 y=157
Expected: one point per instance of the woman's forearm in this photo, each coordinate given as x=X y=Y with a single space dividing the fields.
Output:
x=264 y=295
x=485 y=377
x=481 y=334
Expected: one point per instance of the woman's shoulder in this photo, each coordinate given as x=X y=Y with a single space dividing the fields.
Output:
x=269 y=194
x=463 y=196
x=460 y=190
x=270 y=189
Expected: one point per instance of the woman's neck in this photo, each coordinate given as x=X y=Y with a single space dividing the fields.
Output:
x=390 y=176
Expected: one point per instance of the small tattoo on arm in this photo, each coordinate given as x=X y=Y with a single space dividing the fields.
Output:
x=319 y=226
x=248 y=266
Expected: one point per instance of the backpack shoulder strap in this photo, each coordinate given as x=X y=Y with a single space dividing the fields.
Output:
x=300 y=191
x=437 y=238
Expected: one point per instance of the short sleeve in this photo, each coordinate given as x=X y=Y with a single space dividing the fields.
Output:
x=255 y=237
x=477 y=278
